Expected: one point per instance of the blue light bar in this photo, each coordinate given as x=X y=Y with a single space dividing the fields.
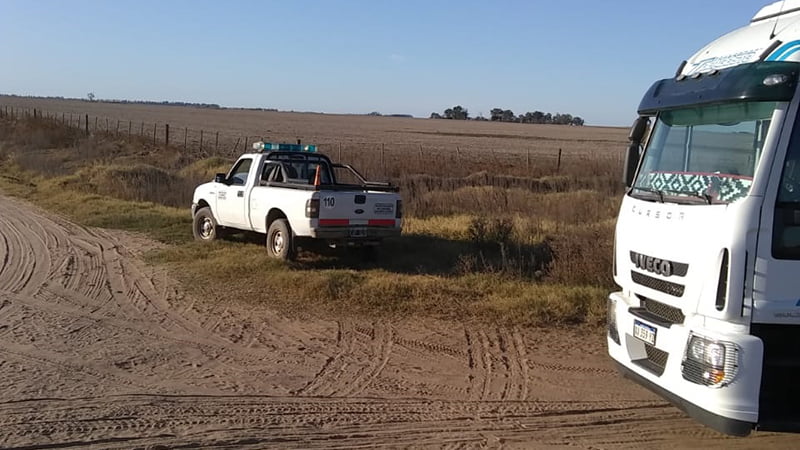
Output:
x=267 y=146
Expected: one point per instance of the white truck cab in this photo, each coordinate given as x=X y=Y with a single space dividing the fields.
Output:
x=294 y=195
x=707 y=242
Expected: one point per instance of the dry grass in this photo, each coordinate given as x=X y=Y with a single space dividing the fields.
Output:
x=521 y=249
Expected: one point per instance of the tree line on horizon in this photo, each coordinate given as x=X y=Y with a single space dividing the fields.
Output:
x=506 y=115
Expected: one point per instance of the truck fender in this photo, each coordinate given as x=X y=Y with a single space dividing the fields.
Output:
x=274 y=214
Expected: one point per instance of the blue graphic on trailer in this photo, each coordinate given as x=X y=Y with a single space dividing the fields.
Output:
x=785 y=51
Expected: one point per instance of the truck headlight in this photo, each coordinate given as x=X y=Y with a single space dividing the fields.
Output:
x=709 y=362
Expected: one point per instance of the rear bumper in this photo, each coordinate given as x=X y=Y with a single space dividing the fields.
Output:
x=344 y=233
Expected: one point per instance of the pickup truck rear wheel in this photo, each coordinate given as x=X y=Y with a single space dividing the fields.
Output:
x=279 y=240
x=204 y=225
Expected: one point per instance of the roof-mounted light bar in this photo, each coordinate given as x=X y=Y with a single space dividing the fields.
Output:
x=268 y=146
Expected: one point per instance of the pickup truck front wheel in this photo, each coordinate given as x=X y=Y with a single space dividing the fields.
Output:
x=280 y=244
x=204 y=226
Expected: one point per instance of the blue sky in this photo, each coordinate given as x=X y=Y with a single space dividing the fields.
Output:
x=593 y=59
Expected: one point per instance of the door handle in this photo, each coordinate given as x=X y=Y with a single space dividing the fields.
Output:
x=240 y=194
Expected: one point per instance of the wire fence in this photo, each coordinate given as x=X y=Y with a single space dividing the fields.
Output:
x=375 y=159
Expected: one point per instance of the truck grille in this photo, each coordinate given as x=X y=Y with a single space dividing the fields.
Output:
x=657 y=284
x=668 y=313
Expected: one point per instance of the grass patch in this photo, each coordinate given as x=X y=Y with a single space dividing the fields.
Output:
x=514 y=250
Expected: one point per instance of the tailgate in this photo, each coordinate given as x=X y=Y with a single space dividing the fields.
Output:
x=361 y=208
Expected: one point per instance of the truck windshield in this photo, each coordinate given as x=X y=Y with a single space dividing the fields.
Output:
x=704 y=154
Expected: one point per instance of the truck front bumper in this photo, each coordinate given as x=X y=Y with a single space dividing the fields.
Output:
x=731 y=407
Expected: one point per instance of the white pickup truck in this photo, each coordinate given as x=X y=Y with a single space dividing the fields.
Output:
x=292 y=194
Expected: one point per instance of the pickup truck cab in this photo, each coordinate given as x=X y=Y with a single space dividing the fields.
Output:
x=292 y=194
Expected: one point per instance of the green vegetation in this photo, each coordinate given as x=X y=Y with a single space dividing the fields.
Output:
x=516 y=250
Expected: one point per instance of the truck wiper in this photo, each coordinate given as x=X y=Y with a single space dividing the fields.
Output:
x=658 y=192
x=701 y=195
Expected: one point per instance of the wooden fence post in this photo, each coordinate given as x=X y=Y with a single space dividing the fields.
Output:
x=558 y=166
x=154 y=133
x=185 y=136
x=201 y=140
x=95 y=123
x=106 y=124
x=236 y=145
x=87 y=124
x=129 y=128
x=117 y=131
x=166 y=138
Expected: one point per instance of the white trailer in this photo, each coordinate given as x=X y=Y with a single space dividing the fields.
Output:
x=707 y=243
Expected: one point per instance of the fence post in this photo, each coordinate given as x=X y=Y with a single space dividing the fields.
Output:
x=246 y=138
x=117 y=131
x=558 y=166
x=236 y=145
x=201 y=140
x=87 y=124
x=528 y=160
x=185 y=136
x=34 y=113
x=216 y=142
x=129 y=128
x=154 y=133
x=141 y=131
x=166 y=138
x=95 y=123
x=106 y=124
x=63 y=116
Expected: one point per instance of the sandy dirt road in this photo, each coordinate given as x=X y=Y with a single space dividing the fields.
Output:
x=99 y=350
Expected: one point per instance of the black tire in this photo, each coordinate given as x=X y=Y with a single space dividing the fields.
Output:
x=204 y=225
x=280 y=244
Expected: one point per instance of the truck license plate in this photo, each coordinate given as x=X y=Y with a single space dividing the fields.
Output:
x=358 y=232
x=644 y=332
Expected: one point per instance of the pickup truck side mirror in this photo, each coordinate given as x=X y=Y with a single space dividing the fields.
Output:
x=220 y=178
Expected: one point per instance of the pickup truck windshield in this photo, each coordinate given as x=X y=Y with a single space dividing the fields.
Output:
x=704 y=154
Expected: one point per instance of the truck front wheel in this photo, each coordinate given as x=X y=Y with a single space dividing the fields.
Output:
x=279 y=240
x=204 y=226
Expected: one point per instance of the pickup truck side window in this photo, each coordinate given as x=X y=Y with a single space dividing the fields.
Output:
x=240 y=172
x=271 y=172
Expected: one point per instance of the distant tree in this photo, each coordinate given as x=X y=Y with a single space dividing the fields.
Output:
x=577 y=121
x=374 y=113
x=508 y=116
x=456 y=113
x=435 y=115
x=90 y=96
x=496 y=114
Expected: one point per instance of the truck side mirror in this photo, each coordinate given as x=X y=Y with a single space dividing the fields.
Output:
x=638 y=130
x=631 y=162
x=220 y=178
